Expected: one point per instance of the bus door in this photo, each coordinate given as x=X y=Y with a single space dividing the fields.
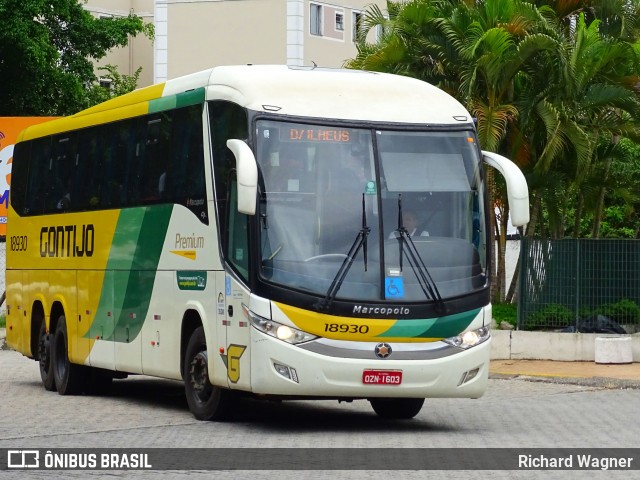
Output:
x=238 y=334
x=237 y=294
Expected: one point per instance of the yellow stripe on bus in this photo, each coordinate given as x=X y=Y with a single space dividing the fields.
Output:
x=131 y=105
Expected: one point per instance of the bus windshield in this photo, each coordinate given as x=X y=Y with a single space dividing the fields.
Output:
x=414 y=191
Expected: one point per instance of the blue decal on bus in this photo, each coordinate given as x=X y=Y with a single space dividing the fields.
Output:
x=394 y=287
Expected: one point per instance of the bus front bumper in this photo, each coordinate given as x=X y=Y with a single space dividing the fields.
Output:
x=279 y=368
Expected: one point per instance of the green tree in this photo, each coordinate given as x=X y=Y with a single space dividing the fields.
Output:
x=47 y=49
x=117 y=84
x=478 y=52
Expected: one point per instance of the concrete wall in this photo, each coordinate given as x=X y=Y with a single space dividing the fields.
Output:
x=522 y=345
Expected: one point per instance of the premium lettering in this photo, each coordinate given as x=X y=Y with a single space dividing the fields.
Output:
x=67 y=241
x=189 y=241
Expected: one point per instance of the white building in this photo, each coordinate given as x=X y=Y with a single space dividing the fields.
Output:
x=192 y=35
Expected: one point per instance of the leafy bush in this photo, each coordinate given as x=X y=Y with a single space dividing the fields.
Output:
x=551 y=316
x=624 y=311
x=505 y=312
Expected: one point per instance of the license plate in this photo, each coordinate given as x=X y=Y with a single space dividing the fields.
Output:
x=382 y=377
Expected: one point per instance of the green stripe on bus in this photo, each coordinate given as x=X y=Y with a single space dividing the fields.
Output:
x=443 y=327
x=192 y=97
x=162 y=104
x=131 y=271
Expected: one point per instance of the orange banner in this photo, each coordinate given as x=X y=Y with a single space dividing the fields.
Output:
x=10 y=127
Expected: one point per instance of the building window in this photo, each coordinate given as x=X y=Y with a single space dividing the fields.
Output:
x=339 y=21
x=357 y=25
x=315 y=19
x=105 y=83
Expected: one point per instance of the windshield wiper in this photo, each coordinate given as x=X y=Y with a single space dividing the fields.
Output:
x=358 y=243
x=425 y=280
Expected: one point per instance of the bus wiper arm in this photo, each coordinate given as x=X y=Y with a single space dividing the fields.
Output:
x=425 y=279
x=358 y=243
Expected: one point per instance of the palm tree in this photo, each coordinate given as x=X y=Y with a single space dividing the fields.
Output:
x=476 y=51
x=547 y=80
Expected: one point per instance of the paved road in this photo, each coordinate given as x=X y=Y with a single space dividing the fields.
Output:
x=143 y=412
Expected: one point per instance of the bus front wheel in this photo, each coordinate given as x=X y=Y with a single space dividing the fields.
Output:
x=397 y=408
x=68 y=376
x=206 y=401
x=44 y=357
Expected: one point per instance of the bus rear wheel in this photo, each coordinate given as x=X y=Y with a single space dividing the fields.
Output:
x=397 y=408
x=69 y=377
x=44 y=358
x=206 y=401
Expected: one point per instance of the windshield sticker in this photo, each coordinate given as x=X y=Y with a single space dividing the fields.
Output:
x=220 y=304
x=370 y=188
x=394 y=287
x=191 y=280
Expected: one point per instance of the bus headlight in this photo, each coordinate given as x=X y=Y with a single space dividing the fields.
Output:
x=280 y=331
x=470 y=339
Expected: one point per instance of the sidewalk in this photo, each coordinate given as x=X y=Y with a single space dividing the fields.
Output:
x=611 y=375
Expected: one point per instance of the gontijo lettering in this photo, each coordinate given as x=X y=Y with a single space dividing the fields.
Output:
x=67 y=241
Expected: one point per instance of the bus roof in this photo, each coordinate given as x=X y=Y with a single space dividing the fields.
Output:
x=298 y=91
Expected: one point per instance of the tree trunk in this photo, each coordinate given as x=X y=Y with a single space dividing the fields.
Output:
x=597 y=218
x=502 y=249
x=491 y=240
x=578 y=217
x=512 y=295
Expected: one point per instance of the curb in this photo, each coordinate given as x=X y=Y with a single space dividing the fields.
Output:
x=601 y=383
x=555 y=346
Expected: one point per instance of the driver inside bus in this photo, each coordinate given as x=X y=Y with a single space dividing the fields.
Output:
x=410 y=222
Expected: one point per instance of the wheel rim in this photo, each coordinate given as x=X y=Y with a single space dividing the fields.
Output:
x=44 y=353
x=60 y=363
x=199 y=377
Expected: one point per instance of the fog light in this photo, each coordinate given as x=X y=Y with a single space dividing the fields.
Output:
x=287 y=372
x=469 y=375
x=282 y=370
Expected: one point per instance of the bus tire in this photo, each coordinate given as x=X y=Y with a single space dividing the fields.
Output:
x=44 y=357
x=397 y=408
x=206 y=401
x=69 y=377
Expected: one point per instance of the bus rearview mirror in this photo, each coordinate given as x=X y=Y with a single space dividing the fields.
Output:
x=247 y=176
x=517 y=189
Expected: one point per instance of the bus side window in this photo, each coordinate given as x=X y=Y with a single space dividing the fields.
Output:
x=237 y=250
x=226 y=120
x=86 y=191
x=63 y=159
x=39 y=170
x=184 y=181
x=20 y=169
x=119 y=161
x=153 y=162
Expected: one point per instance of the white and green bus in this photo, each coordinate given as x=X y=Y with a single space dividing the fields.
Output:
x=285 y=232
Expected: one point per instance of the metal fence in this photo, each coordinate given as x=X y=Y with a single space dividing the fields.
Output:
x=579 y=285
